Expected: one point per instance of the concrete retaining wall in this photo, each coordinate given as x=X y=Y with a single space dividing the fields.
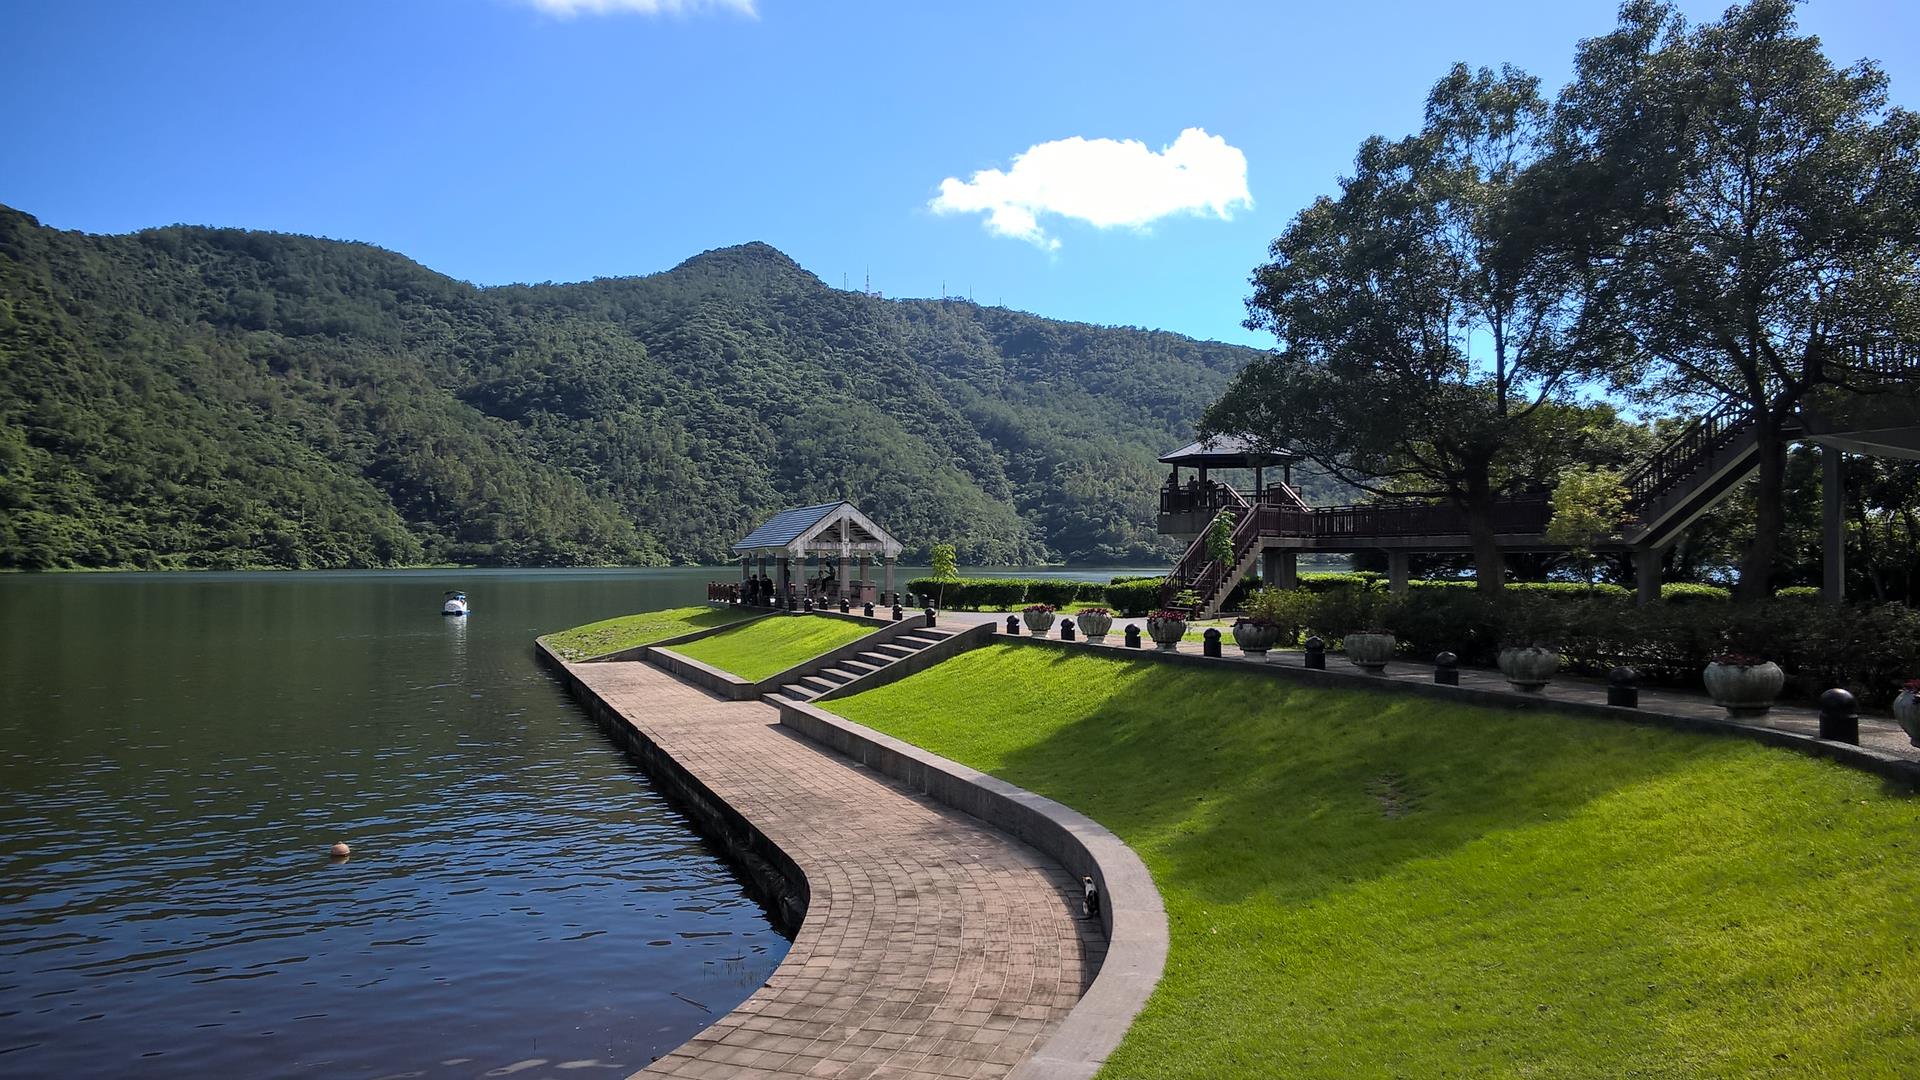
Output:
x=775 y=878
x=1131 y=912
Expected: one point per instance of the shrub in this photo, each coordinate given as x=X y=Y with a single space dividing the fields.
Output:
x=1342 y=610
x=1681 y=592
x=1323 y=582
x=1798 y=592
x=1290 y=609
x=1055 y=593
x=1132 y=599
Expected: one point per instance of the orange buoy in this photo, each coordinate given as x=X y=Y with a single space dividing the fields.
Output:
x=341 y=850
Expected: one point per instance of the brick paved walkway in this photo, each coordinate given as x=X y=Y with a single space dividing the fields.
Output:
x=932 y=946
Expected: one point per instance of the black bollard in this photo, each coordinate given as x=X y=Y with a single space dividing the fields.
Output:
x=898 y=614
x=1839 y=722
x=869 y=610
x=1066 y=629
x=1013 y=625
x=930 y=616
x=844 y=606
x=1623 y=688
x=807 y=605
x=1446 y=669
x=1316 y=653
x=1133 y=636
x=1210 y=642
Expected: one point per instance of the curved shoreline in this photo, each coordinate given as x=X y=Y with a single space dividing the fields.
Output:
x=845 y=994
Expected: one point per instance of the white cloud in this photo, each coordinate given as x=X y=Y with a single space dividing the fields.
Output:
x=567 y=8
x=1107 y=183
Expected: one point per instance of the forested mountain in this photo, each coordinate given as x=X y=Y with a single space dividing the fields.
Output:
x=194 y=397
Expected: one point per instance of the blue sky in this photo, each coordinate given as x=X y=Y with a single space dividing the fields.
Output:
x=498 y=140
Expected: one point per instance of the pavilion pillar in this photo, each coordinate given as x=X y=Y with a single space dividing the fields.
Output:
x=1397 y=572
x=842 y=583
x=746 y=568
x=887 y=594
x=786 y=568
x=1646 y=574
x=1280 y=568
x=1259 y=478
x=1833 y=525
x=863 y=570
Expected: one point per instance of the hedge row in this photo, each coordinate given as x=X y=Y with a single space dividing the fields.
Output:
x=975 y=594
x=1869 y=650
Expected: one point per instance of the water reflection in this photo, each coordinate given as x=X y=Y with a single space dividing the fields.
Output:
x=177 y=754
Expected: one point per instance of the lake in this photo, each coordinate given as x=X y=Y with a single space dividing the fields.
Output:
x=179 y=751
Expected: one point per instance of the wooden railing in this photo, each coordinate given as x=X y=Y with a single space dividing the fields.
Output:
x=1684 y=456
x=1881 y=360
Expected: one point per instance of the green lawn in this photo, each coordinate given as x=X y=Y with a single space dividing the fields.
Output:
x=1374 y=885
x=771 y=646
x=627 y=631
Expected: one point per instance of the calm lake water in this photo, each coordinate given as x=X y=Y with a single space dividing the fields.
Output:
x=178 y=751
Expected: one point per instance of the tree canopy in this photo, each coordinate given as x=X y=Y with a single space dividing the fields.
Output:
x=191 y=397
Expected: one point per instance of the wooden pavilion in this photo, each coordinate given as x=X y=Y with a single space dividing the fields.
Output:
x=830 y=533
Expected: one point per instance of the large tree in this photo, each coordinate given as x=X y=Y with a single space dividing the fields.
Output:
x=1748 y=211
x=1428 y=323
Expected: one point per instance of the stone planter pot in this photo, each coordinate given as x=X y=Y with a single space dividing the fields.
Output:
x=1038 y=621
x=1094 y=625
x=1529 y=668
x=1254 y=638
x=1166 y=633
x=1744 y=689
x=1906 y=713
x=1370 y=652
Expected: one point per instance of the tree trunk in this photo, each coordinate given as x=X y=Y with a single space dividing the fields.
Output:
x=1489 y=565
x=1756 y=566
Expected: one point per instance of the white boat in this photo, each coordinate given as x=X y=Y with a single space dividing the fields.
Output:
x=456 y=603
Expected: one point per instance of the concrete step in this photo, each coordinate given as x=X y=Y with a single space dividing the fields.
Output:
x=837 y=675
x=888 y=648
x=858 y=668
x=797 y=692
x=915 y=641
x=817 y=685
x=877 y=659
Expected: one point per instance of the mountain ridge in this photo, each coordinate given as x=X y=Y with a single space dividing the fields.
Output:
x=187 y=396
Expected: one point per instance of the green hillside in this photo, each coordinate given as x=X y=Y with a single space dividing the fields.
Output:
x=193 y=397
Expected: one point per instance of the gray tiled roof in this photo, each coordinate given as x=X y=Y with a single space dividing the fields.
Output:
x=1224 y=451
x=780 y=529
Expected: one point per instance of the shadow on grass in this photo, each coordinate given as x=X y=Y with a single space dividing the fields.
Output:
x=1203 y=768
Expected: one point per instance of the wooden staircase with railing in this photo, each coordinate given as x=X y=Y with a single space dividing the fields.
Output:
x=1666 y=494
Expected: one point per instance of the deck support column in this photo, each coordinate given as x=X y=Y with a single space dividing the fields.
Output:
x=1833 y=525
x=1397 y=572
x=1280 y=568
x=1646 y=574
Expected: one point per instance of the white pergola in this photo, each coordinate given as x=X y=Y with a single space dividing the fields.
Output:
x=828 y=531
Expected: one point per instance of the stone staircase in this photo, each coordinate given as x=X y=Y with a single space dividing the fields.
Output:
x=833 y=673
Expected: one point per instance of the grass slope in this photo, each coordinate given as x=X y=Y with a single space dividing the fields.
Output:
x=771 y=646
x=1367 y=885
x=627 y=631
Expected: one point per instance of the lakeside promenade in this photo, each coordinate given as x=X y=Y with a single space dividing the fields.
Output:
x=932 y=947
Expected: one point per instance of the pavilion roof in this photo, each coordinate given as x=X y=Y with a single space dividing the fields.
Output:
x=822 y=529
x=1227 y=452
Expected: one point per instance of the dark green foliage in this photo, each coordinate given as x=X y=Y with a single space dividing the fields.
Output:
x=189 y=397
x=1865 y=649
x=977 y=594
x=1134 y=597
